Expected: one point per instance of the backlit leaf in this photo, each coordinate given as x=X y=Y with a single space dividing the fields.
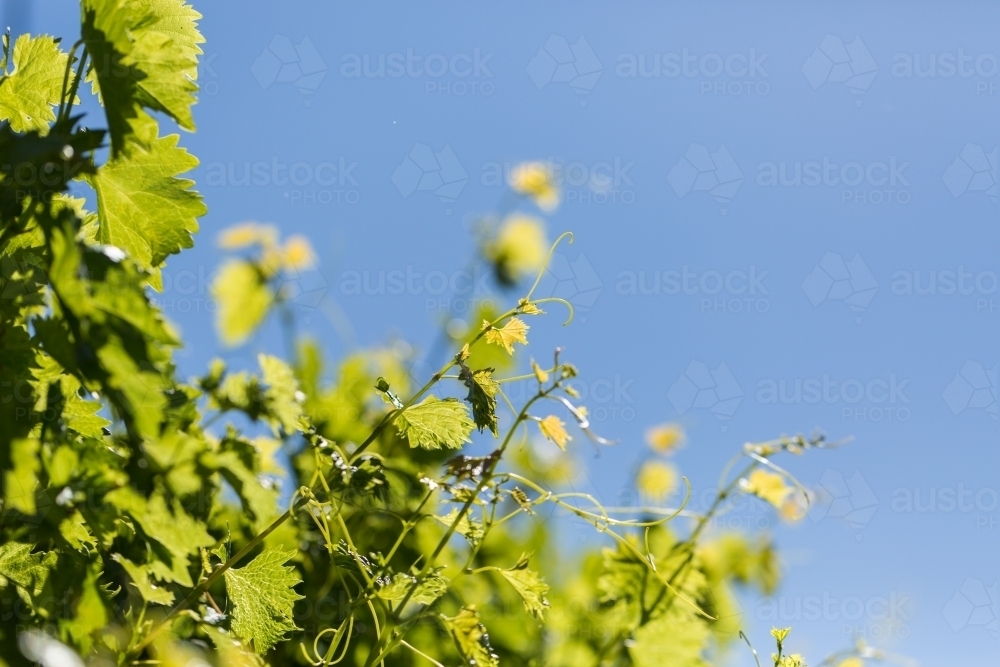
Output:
x=471 y=638
x=263 y=595
x=29 y=92
x=514 y=331
x=529 y=585
x=433 y=424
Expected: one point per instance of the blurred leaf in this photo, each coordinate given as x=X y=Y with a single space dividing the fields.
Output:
x=244 y=298
x=471 y=638
x=149 y=591
x=282 y=393
x=554 y=429
x=26 y=570
x=427 y=591
x=529 y=586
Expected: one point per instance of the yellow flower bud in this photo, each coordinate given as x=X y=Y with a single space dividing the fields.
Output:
x=665 y=438
x=533 y=179
x=298 y=253
x=247 y=234
x=656 y=479
x=767 y=485
x=518 y=249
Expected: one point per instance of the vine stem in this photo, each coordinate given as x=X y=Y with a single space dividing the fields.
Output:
x=377 y=653
x=390 y=417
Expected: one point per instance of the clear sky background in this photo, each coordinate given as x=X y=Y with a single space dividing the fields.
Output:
x=679 y=129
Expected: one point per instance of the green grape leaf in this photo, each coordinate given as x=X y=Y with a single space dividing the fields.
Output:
x=282 y=393
x=427 y=591
x=144 y=56
x=176 y=531
x=29 y=92
x=263 y=596
x=21 y=480
x=244 y=299
x=169 y=58
x=259 y=502
x=230 y=651
x=471 y=638
x=529 y=585
x=483 y=390
x=676 y=638
x=142 y=390
x=470 y=529
x=27 y=571
x=628 y=583
x=433 y=424
x=139 y=574
x=82 y=415
x=143 y=208
x=91 y=614
x=74 y=530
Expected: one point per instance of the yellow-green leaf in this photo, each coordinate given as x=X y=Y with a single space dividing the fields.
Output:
x=514 y=331
x=554 y=429
x=433 y=424
x=143 y=207
x=529 y=585
x=29 y=92
x=21 y=480
x=471 y=638
x=139 y=574
x=144 y=56
x=263 y=596
x=244 y=298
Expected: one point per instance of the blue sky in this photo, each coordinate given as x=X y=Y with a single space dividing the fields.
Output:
x=763 y=198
